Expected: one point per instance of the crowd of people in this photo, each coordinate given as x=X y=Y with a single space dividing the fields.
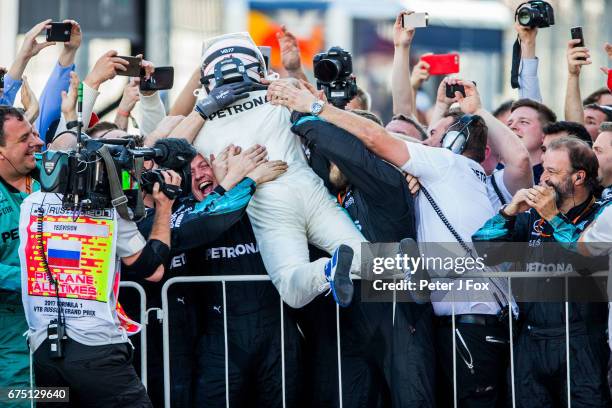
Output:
x=283 y=182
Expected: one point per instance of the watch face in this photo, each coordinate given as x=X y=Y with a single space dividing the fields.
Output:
x=316 y=107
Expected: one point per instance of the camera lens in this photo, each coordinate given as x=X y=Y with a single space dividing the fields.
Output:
x=327 y=70
x=524 y=16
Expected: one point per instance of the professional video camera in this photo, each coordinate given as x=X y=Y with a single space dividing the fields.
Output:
x=535 y=13
x=333 y=70
x=104 y=173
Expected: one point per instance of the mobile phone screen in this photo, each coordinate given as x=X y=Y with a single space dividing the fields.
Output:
x=133 y=69
x=162 y=78
x=59 y=32
x=416 y=20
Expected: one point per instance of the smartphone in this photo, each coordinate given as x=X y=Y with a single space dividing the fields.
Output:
x=451 y=89
x=2 y=78
x=162 y=78
x=59 y=32
x=577 y=35
x=442 y=64
x=266 y=51
x=133 y=69
x=610 y=80
x=416 y=20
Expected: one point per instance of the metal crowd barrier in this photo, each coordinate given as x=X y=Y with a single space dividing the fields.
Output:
x=253 y=278
x=143 y=336
x=143 y=327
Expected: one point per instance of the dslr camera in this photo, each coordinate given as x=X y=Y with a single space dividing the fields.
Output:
x=535 y=13
x=333 y=70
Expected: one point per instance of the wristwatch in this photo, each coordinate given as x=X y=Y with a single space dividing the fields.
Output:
x=503 y=213
x=317 y=107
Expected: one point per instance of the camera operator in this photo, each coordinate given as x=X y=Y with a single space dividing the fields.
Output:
x=79 y=343
x=557 y=210
x=18 y=179
x=463 y=187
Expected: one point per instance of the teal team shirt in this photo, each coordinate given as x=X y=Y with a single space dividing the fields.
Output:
x=10 y=201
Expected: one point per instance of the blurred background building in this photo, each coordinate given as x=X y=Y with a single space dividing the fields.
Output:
x=170 y=32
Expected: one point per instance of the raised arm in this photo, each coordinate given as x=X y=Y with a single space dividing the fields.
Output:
x=186 y=100
x=518 y=173
x=573 y=101
x=290 y=54
x=374 y=136
x=401 y=86
x=59 y=80
x=529 y=84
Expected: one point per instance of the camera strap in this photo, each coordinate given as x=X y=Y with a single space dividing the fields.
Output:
x=118 y=199
x=516 y=62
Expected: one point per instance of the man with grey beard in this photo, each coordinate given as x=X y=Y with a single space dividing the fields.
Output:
x=557 y=210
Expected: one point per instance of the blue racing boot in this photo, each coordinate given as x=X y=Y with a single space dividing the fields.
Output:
x=337 y=273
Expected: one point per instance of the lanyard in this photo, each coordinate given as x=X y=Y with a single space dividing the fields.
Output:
x=574 y=221
x=29 y=185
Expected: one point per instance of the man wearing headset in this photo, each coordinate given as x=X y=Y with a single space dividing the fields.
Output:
x=455 y=181
x=18 y=143
x=557 y=210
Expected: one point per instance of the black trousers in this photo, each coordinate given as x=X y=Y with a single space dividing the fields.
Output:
x=254 y=361
x=540 y=369
x=98 y=376
x=482 y=385
x=384 y=363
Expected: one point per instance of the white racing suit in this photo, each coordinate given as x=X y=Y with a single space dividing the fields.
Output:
x=291 y=211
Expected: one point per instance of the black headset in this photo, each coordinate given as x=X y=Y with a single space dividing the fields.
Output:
x=456 y=140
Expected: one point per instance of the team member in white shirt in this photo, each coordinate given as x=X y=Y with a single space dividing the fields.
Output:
x=456 y=182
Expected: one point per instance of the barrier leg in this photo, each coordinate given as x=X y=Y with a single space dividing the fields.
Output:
x=567 y=347
x=282 y=316
x=226 y=346
x=510 y=317
x=339 y=355
x=166 y=343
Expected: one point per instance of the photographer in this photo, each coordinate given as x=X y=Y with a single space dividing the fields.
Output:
x=463 y=187
x=18 y=179
x=557 y=210
x=80 y=343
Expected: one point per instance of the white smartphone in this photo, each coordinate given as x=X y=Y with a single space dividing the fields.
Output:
x=416 y=20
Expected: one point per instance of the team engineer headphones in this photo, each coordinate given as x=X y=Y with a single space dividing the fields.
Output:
x=456 y=140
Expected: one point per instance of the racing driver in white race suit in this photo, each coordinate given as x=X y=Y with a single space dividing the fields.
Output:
x=293 y=210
